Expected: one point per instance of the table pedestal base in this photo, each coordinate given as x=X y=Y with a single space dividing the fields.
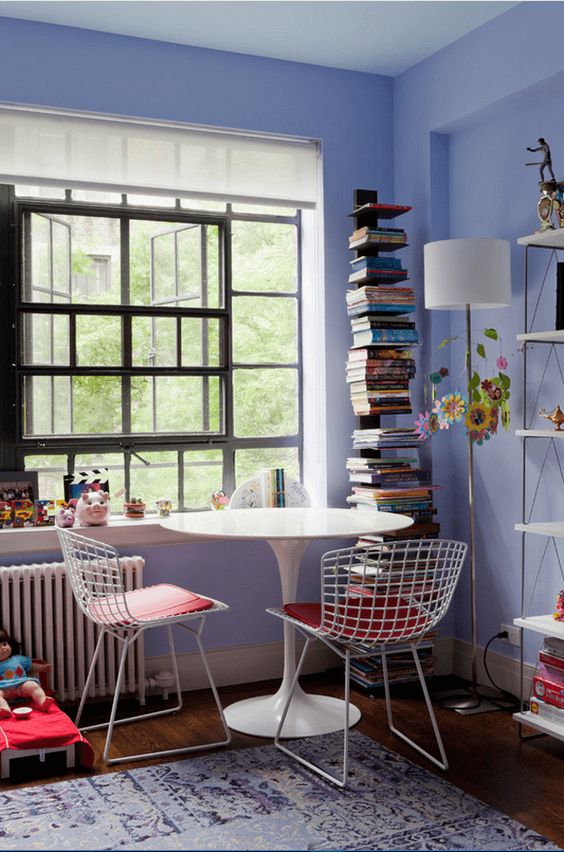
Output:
x=308 y=715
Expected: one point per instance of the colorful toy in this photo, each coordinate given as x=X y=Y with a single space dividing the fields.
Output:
x=5 y=514
x=219 y=500
x=164 y=505
x=14 y=678
x=93 y=509
x=558 y=615
x=134 y=509
x=44 y=513
x=23 y=513
x=65 y=516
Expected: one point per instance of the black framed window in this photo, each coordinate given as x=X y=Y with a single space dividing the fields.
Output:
x=162 y=343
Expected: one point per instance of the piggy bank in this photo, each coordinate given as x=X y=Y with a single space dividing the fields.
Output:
x=93 y=509
x=65 y=517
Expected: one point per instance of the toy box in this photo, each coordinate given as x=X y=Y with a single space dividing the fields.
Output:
x=548 y=684
x=45 y=513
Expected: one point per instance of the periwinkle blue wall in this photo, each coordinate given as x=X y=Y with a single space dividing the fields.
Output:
x=350 y=112
x=463 y=119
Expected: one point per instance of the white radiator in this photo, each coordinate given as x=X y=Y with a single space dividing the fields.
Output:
x=39 y=610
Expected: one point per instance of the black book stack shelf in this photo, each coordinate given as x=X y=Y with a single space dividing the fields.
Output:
x=385 y=475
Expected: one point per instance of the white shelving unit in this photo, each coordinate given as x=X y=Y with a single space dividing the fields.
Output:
x=542 y=624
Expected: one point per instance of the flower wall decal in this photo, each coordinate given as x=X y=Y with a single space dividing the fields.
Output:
x=481 y=408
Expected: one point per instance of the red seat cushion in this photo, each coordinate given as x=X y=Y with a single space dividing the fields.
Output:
x=391 y=619
x=149 y=604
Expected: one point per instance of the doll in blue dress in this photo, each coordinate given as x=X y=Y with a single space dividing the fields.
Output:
x=15 y=680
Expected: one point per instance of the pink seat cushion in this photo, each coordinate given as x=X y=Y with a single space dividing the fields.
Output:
x=150 y=603
x=383 y=620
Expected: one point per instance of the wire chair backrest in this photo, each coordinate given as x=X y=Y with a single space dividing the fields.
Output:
x=389 y=592
x=93 y=569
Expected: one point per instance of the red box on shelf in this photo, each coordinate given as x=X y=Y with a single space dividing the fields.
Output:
x=548 y=685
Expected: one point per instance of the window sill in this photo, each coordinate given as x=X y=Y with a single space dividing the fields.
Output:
x=120 y=532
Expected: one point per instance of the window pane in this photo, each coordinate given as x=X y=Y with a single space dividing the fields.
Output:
x=38 y=191
x=81 y=405
x=51 y=470
x=156 y=480
x=248 y=462
x=179 y=404
x=116 y=472
x=203 y=474
x=264 y=210
x=175 y=264
x=98 y=341
x=45 y=339
x=154 y=341
x=93 y=263
x=265 y=402
x=201 y=342
x=264 y=256
x=265 y=330
x=95 y=197
x=151 y=200
x=198 y=204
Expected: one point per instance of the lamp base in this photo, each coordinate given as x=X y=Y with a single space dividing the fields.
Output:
x=460 y=700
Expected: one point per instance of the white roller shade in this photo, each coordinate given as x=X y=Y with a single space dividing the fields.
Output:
x=128 y=155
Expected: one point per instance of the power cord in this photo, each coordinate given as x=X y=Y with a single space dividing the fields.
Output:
x=507 y=695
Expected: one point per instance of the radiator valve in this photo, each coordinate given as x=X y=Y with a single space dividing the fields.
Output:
x=161 y=680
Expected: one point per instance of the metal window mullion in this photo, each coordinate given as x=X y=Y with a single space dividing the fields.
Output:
x=299 y=331
x=126 y=329
x=227 y=396
x=204 y=354
x=181 y=498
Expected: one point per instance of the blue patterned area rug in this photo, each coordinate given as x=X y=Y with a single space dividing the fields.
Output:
x=257 y=798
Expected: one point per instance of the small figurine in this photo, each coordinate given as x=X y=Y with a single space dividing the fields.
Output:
x=547 y=158
x=219 y=501
x=164 y=505
x=135 y=509
x=559 y=614
x=14 y=680
x=556 y=416
x=93 y=509
x=65 y=517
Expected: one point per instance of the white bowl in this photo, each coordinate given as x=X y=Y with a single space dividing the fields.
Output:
x=21 y=712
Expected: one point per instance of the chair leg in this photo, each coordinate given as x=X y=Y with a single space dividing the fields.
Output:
x=443 y=763
x=314 y=767
x=89 y=677
x=166 y=752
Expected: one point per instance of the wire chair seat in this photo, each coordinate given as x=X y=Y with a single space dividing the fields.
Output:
x=373 y=599
x=94 y=572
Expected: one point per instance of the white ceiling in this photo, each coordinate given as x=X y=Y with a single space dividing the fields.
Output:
x=373 y=36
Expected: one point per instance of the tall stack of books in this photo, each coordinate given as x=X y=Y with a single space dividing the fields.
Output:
x=386 y=475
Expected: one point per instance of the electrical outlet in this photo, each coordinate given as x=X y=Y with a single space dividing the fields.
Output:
x=513 y=634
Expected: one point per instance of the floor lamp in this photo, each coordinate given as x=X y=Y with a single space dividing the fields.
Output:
x=460 y=275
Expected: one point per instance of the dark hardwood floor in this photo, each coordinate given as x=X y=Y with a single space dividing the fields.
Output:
x=522 y=779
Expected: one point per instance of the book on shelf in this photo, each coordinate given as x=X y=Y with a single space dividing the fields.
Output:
x=376 y=378
x=375 y=263
x=379 y=242
x=372 y=274
x=372 y=230
x=362 y=322
x=384 y=476
x=371 y=353
x=376 y=462
x=383 y=211
x=385 y=336
x=374 y=384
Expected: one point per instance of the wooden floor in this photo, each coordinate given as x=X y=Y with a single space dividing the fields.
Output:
x=522 y=779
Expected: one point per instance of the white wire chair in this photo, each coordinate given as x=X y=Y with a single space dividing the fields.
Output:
x=94 y=572
x=372 y=600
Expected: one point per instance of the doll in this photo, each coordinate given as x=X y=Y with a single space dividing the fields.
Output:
x=14 y=679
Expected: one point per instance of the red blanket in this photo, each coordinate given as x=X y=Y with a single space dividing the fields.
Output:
x=45 y=730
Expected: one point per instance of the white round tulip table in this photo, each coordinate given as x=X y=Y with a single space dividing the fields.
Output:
x=288 y=532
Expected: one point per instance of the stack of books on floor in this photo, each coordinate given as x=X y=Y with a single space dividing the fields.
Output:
x=368 y=674
x=380 y=300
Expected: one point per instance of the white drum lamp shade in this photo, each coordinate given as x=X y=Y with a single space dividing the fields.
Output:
x=474 y=272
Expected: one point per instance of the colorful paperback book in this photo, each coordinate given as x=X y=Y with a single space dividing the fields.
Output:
x=385 y=336
x=375 y=263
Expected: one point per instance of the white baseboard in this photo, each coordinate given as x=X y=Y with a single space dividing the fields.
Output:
x=253 y=663
x=241 y=664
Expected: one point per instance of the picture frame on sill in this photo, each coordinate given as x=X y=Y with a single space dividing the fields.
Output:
x=18 y=485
